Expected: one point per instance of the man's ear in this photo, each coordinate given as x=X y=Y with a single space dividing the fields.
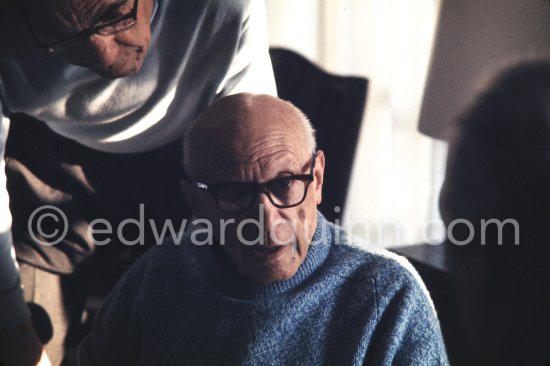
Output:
x=318 y=173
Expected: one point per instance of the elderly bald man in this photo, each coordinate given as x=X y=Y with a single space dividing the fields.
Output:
x=97 y=95
x=261 y=277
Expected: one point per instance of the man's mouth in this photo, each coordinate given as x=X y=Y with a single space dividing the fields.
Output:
x=267 y=250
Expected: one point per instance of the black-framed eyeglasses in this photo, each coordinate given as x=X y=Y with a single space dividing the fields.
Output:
x=282 y=192
x=53 y=44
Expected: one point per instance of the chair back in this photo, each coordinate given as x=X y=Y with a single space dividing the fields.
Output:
x=335 y=105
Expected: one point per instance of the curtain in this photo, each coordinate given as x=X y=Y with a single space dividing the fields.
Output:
x=397 y=171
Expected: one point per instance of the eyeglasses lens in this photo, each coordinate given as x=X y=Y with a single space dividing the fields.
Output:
x=281 y=192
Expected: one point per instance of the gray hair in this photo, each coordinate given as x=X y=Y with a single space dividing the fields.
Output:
x=309 y=131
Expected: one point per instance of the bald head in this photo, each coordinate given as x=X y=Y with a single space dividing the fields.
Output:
x=244 y=128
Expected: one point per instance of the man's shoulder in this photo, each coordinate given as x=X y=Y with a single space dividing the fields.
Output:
x=388 y=271
x=388 y=288
x=375 y=263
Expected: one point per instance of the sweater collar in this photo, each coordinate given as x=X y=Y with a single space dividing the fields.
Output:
x=222 y=273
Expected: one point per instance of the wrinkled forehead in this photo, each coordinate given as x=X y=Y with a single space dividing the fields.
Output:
x=248 y=161
x=248 y=132
x=265 y=167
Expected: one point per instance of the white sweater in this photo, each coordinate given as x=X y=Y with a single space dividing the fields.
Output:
x=200 y=50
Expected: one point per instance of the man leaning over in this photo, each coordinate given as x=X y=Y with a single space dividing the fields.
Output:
x=97 y=94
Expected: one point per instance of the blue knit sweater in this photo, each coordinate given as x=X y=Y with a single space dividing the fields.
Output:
x=187 y=305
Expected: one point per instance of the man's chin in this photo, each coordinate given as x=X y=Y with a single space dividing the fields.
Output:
x=108 y=74
x=267 y=274
x=276 y=276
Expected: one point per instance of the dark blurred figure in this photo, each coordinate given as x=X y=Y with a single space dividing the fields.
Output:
x=499 y=168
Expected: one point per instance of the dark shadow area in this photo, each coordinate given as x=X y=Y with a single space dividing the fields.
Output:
x=490 y=280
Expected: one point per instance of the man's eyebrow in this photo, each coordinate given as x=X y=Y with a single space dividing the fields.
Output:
x=285 y=173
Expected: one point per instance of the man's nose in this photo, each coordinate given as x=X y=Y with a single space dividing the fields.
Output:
x=103 y=50
x=269 y=210
x=277 y=229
